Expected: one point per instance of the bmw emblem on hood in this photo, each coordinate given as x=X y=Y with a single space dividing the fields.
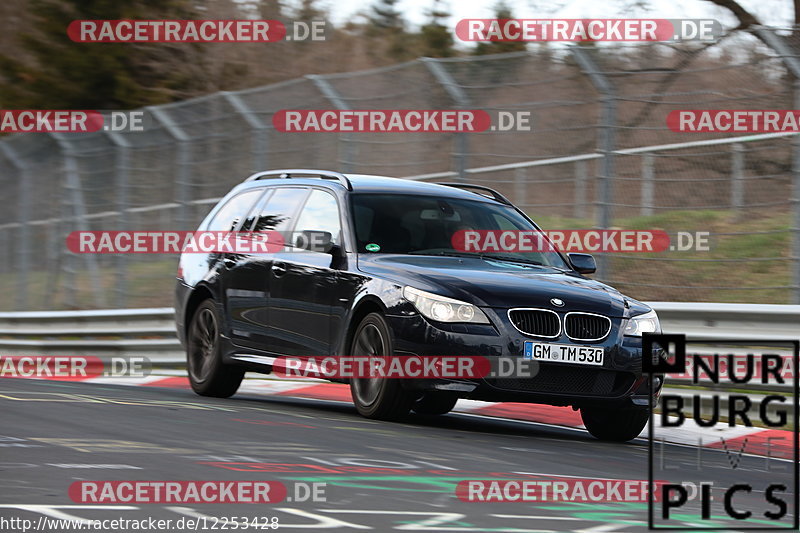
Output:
x=557 y=302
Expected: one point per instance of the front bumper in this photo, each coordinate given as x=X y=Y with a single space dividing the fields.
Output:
x=618 y=381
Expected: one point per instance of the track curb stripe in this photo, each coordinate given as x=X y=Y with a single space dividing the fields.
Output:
x=755 y=440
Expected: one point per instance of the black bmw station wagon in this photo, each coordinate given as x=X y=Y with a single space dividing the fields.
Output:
x=385 y=279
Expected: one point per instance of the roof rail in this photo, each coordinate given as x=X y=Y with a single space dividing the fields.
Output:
x=467 y=186
x=288 y=173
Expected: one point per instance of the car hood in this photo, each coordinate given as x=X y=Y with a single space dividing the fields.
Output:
x=491 y=283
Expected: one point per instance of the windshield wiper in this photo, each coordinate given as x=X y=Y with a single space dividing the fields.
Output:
x=511 y=259
x=447 y=254
x=485 y=257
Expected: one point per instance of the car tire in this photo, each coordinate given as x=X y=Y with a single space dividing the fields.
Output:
x=435 y=403
x=614 y=424
x=208 y=375
x=377 y=398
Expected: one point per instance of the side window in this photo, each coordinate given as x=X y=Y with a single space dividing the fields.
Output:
x=276 y=215
x=228 y=217
x=321 y=213
x=249 y=222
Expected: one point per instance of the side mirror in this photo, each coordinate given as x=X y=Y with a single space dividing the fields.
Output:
x=338 y=257
x=314 y=241
x=583 y=263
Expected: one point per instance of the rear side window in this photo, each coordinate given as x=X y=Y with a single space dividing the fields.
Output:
x=229 y=216
x=277 y=213
x=321 y=213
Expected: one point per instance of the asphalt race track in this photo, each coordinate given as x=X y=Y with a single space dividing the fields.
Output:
x=378 y=475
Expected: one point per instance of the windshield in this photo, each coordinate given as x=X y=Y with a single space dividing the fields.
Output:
x=425 y=225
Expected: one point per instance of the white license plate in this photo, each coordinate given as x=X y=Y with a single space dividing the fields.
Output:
x=564 y=353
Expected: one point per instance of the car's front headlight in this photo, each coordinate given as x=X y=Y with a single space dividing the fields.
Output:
x=443 y=309
x=646 y=323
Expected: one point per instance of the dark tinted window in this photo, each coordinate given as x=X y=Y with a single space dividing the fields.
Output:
x=228 y=217
x=425 y=225
x=277 y=213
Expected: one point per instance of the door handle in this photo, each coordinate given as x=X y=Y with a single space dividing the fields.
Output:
x=278 y=269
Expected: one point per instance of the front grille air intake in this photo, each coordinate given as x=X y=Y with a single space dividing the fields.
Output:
x=586 y=326
x=570 y=379
x=537 y=322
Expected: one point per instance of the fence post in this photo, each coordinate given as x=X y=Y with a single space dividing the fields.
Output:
x=328 y=91
x=737 y=179
x=5 y=250
x=792 y=61
x=183 y=162
x=260 y=141
x=795 y=297
x=22 y=254
x=606 y=143
x=122 y=165
x=72 y=181
x=457 y=94
x=648 y=184
x=520 y=177
x=579 y=209
x=53 y=254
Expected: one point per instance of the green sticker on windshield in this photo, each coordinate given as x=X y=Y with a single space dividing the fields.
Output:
x=372 y=247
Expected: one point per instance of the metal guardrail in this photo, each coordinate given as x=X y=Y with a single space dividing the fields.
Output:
x=151 y=332
x=101 y=333
x=717 y=321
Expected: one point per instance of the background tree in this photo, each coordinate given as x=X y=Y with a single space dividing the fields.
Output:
x=501 y=11
x=436 y=37
x=386 y=29
x=43 y=68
